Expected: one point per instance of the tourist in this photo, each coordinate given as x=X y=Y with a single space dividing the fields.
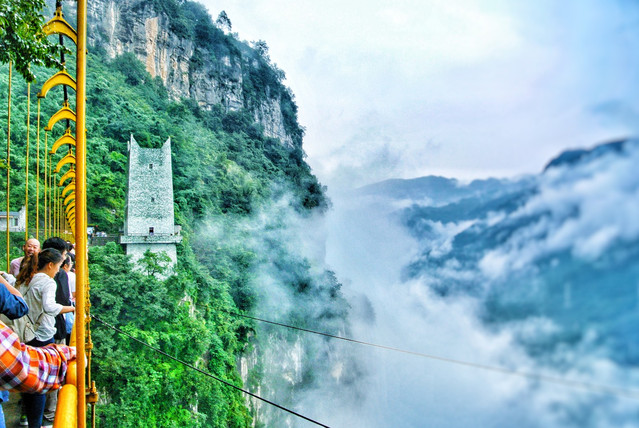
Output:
x=13 y=306
x=39 y=295
x=62 y=297
x=32 y=246
x=67 y=266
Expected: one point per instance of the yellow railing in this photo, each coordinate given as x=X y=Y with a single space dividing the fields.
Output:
x=64 y=208
x=72 y=398
x=66 y=415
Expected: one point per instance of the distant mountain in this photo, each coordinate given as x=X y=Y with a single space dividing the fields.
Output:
x=551 y=260
x=437 y=189
x=570 y=157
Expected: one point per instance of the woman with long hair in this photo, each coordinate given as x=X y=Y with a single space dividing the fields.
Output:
x=28 y=268
x=39 y=288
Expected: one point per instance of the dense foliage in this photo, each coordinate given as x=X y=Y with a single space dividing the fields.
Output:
x=22 y=40
x=223 y=165
x=226 y=171
x=143 y=388
x=222 y=160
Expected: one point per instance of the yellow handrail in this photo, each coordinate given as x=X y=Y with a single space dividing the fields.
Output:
x=65 y=413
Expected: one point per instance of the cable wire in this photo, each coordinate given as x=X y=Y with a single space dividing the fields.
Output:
x=203 y=372
x=589 y=386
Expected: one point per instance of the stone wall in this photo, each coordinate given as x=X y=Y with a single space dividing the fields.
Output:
x=149 y=222
x=149 y=205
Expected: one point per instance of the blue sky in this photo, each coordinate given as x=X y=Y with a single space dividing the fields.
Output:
x=460 y=88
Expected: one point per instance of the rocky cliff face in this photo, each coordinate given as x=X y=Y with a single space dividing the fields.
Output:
x=187 y=70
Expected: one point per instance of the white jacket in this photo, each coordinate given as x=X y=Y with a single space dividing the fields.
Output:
x=40 y=297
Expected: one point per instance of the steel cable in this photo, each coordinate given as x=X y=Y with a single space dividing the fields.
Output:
x=589 y=386
x=206 y=373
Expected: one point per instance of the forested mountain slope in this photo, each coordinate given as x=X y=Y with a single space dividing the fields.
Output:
x=240 y=197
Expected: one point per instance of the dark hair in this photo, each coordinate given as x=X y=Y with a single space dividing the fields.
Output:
x=49 y=255
x=28 y=268
x=67 y=261
x=56 y=243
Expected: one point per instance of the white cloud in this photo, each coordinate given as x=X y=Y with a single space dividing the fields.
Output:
x=465 y=87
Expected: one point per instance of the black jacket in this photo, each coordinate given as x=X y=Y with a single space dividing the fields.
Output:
x=63 y=297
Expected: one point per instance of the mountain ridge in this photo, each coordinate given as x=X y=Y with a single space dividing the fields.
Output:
x=178 y=42
x=445 y=189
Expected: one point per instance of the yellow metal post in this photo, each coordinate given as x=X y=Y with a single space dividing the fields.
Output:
x=81 y=209
x=46 y=171
x=54 y=216
x=26 y=177
x=8 y=164
x=38 y=175
x=51 y=207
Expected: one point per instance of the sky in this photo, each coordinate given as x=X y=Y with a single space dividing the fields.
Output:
x=459 y=88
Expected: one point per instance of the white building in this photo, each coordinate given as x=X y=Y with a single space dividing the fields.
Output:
x=17 y=220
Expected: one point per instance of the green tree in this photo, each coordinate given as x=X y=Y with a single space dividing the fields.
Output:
x=22 y=40
x=155 y=263
x=262 y=49
x=223 y=22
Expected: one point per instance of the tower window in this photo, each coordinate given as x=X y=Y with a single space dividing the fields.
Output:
x=150 y=166
x=152 y=199
x=150 y=231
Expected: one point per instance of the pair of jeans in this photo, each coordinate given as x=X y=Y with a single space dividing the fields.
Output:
x=33 y=404
x=4 y=397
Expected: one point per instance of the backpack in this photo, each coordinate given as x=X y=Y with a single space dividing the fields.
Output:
x=24 y=326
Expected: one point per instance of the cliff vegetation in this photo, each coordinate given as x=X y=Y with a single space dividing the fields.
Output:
x=227 y=170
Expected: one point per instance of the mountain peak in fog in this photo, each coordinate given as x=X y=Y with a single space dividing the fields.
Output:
x=571 y=157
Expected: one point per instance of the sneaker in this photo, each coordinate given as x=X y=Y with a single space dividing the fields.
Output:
x=46 y=422
x=23 y=421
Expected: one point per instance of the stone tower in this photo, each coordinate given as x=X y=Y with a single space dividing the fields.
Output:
x=149 y=220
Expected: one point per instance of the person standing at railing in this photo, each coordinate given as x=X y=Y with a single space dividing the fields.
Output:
x=39 y=294
x=62 y=297
x=13 y=306
x=67 y=266
x=30 y=369
x=31 y=247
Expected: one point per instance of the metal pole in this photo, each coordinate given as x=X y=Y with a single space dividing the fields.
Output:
x=46 y=182
x=51 y=206
x=56 y=210
x=8 y=164
x=81 y=210
x=26 y=185
x=38 y=174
